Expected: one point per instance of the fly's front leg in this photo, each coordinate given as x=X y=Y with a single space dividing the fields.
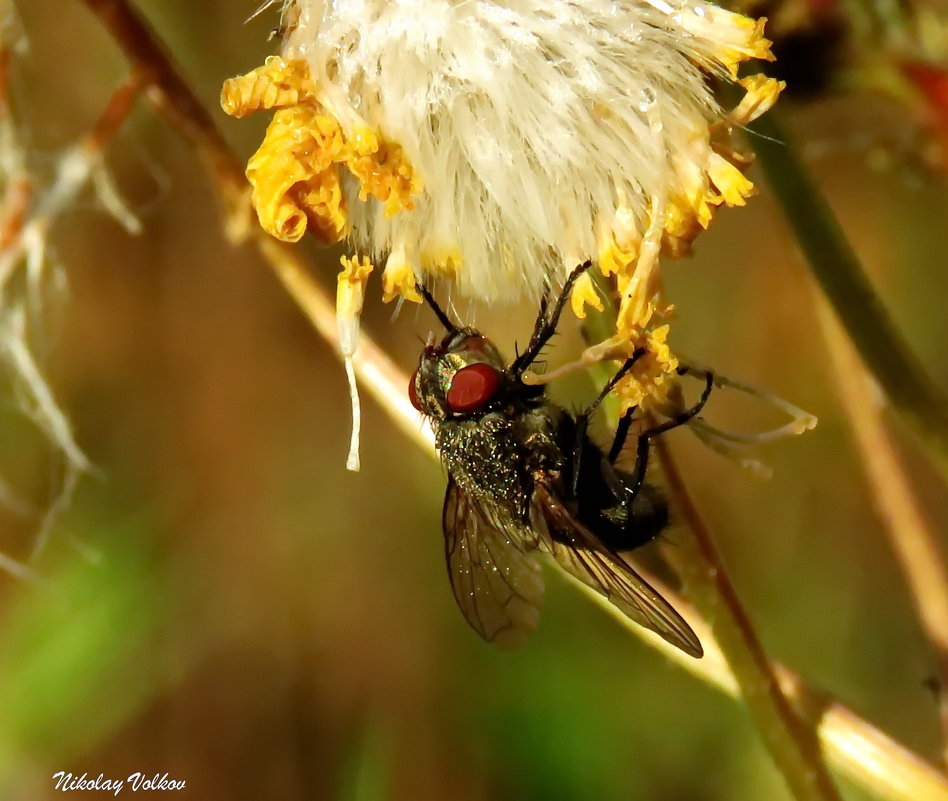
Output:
x=545 y=326
x=439 y=312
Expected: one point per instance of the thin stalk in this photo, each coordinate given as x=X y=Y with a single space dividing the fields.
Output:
x=873 y=759
x=917 y=549
x=792 y=744
x=915 y=397
x=867 y=756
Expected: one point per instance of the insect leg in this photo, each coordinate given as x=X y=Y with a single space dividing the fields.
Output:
x=546 y=326
x=641 y=465
x=439 y=312
x=641 y=451
x=582 y=420
x=622 y=432
x=685 y=416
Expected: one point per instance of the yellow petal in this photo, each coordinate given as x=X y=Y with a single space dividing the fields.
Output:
x=730 y=181
x=762 y=93
x=398 y=279
x=277 y=84
x=584 y=294
x=350 y=285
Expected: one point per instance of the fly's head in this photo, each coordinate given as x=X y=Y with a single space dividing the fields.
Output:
x=461 y=377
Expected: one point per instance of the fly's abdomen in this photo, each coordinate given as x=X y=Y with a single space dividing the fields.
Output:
x=607 y=505
x=627 y=526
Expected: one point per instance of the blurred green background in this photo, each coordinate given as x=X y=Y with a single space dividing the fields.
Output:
x=223 y=602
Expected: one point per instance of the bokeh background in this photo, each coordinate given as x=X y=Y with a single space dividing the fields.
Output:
x=223 y=602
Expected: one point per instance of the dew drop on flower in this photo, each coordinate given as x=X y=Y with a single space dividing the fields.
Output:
x=646 y=99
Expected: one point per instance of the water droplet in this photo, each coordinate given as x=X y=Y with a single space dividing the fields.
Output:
x=646 y=99
x=700 y=11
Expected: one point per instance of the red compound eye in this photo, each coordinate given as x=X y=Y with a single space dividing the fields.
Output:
x=472 y=387
x=413 y=393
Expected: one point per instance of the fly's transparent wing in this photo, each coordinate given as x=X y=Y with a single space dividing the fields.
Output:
x=495 y=579
x=579 y=553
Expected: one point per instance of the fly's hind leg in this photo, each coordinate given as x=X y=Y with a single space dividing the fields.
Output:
x=688 y=414
x=582 y=420
x=644 y=439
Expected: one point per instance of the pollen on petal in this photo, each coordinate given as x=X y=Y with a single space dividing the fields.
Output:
x=386 y=175
x=647 y=383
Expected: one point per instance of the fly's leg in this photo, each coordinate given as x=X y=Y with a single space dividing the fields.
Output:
x=644 y=439
x=622 y=432
x=439 y=312
x=685 y=416
x=545 y=325
x=582 y=420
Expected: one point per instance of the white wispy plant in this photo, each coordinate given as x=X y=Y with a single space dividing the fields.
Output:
x=495 y=145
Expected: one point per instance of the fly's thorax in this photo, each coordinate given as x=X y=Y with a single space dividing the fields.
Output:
x=497 y=456
x=485 y=458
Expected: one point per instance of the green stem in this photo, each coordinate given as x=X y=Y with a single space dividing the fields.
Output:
x=917 y=400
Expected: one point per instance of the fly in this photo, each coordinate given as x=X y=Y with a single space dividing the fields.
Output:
x=524 y=478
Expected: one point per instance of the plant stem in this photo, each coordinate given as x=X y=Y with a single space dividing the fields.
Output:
x=915 y=397
x=869 y=757
x=792 y=745
x=916 y=546
x=872 y=758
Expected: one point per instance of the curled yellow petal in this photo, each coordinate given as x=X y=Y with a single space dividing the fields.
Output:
x=294 y=178
x=295 y=173
x=277 y=84
x=322 y=200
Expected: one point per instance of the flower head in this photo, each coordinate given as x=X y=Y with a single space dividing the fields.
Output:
x=498 y=144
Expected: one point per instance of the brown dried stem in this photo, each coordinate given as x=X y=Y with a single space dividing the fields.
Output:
x=870 y=757
x=792 y=744
x=917 y=549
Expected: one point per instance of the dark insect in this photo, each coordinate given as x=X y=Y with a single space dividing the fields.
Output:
x=525 y=477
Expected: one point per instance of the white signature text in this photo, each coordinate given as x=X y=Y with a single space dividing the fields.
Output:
x=136 y=781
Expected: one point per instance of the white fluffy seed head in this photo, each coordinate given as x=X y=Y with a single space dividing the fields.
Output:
x=529 y=122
